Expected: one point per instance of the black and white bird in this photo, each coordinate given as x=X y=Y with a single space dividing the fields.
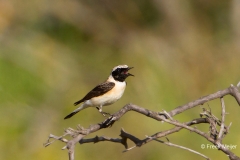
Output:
x=105 y=93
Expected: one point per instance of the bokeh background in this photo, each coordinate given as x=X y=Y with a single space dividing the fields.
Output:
x=53 y=52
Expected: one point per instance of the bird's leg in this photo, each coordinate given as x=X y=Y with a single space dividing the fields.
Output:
x=99 y=108
x=103 y=113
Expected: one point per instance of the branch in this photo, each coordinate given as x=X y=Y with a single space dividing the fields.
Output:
x=231 y=155
x=232 y=90
x=97 y=139
x=182 y=147
x=221 y=132
x=80 y=133
x=136 y=140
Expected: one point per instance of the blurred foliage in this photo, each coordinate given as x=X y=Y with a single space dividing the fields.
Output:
x=53 y=52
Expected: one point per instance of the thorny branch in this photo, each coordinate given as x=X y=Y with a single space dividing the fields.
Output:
x=214 y=137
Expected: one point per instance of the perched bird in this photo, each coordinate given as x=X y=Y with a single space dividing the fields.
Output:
x=105 y=93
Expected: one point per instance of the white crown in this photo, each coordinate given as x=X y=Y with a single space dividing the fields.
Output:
x=120 y=66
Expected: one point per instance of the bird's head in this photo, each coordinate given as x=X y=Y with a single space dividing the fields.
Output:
x=120 y=73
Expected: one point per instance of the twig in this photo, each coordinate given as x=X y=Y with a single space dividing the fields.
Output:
x=238 y=85
x=129 y=148
x=56 y=138
x=221 y=132
x=182 y=147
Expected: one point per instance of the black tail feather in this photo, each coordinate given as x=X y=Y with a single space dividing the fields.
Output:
x=78 y=102
x=70 y=115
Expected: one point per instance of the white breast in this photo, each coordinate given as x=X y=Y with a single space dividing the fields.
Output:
x=110 y=97
x=116 y=93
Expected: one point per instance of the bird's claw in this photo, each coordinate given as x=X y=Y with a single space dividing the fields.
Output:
x=105 y=114
x=109 y=121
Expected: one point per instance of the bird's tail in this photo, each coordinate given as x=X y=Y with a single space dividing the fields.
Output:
x=78 y=102
x=83 y=106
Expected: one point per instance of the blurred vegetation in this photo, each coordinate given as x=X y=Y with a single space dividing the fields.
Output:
x=53 y=52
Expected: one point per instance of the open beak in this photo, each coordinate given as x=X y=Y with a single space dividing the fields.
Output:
x=129 y=74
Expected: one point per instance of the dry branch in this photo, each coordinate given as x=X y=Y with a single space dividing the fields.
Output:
x=182 y=147
x=79 y=134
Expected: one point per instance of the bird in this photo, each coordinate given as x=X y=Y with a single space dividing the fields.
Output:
x=105 y=93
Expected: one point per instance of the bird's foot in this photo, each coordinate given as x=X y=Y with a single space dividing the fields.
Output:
x=103 y=113
x=109 y=121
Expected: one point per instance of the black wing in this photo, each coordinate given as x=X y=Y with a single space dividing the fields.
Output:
x=97 y=91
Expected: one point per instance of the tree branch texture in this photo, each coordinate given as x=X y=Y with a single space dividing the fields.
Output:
x=214 y=136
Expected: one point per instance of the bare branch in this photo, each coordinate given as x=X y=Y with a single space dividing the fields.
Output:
x=138 y=142
x=80 y=133
x=221 y=132
x=96 y=139
x=232 y=90
x=56 y=138
x=99 y=139
x=182 y=147
x=231 y=155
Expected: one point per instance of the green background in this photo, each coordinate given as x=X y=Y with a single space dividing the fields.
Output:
x=53 y=52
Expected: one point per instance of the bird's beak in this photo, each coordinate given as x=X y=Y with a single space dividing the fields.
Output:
x=129 y=74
